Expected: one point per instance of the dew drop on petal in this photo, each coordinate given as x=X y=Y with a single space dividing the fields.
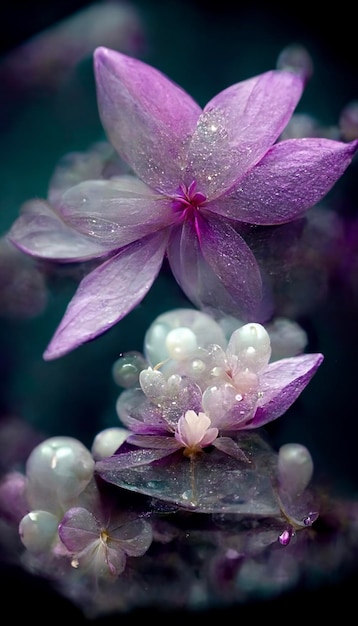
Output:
x=311 y=518
x=286 y=536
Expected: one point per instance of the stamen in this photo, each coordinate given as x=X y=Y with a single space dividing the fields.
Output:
x=186 y=197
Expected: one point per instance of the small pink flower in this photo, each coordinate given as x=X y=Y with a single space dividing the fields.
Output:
x=194 y=432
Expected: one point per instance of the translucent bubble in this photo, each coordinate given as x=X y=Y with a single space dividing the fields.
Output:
x=288 y=338
x=295 y=58
x=180 y=342
x=57 y=471
x=126 y=369
x=192 y=329
x=249 y=348
x=38 y=530
x=108 y=441
x=295 y=467
x=348 y=121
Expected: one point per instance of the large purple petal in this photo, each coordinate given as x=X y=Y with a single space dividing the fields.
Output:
x=193 y=273
x=238 y=126
x=232 y=261
x=116 y=211
x=40 y=232
x=281 y=382
x=148 y=118
x=230 y=447
x=219 y=274
x=108 y=293
x=293 y=176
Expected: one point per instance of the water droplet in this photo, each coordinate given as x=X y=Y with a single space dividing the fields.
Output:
x=311 y=518
x=286 y=536
x=188 y=497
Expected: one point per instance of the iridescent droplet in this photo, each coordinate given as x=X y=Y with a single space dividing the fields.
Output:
x=286 y=536
x=311 y=518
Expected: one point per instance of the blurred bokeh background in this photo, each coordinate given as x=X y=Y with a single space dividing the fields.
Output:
x=48 y=108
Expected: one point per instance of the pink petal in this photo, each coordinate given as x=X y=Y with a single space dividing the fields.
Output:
x=115 y=212
x=40 y=232
x=192 y=427
x=148 y=118
x=230 y=447
x=293 y=176
x=210 y=435
x=281 y=383
x=108 y=293
x=238 y=126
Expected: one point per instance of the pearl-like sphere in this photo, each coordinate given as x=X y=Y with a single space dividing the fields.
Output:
x=57 y=471
x=295 y=467
x=108 y=441
x=178 y=333
x=38 y=530
x=249 y=347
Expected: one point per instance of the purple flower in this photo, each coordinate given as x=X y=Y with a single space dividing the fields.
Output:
x=101 y=547
x=199 y=175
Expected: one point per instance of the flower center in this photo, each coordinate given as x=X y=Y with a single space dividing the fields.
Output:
x=104 y=536
x=187 y=198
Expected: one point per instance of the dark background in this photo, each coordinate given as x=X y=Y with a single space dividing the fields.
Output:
x=204 y=50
